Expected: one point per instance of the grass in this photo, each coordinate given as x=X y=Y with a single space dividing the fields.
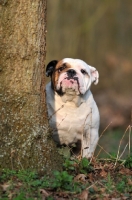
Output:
x=99 y=178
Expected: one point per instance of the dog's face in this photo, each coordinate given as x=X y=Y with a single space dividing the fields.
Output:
x=72 y=76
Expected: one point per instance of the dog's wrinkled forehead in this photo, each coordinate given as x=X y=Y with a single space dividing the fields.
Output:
x=62 y=65
x=75 y=64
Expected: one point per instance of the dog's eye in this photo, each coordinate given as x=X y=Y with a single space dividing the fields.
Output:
x=61 y=68
x=83 y=71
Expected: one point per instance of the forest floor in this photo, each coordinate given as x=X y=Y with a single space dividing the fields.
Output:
x=80 y=179
x=100 y=179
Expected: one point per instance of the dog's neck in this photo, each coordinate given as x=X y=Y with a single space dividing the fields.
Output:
x=72 y=96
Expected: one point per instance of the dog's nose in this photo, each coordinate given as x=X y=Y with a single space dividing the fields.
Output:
x=71 y=73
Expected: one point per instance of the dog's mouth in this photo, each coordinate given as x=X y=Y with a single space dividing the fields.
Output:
x=69 y=85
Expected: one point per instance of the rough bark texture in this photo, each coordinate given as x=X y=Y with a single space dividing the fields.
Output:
x=24 y=135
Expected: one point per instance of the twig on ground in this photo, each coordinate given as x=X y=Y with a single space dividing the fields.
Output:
x=109 y=159
x=98 y=153
x=123 y=151
x=130 y=129
x=104 y=186
x=105 y=130
x=104 y=150
x=101 y=136
x=120 y=145
x=91 y=185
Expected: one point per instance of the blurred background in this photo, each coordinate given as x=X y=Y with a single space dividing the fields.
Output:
x=100 y=33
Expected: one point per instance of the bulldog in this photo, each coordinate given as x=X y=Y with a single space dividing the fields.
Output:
x=73 y=113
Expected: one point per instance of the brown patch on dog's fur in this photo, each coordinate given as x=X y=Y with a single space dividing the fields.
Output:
x=56 y=73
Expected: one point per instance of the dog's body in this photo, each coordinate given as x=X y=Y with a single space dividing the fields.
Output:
x=73 y=113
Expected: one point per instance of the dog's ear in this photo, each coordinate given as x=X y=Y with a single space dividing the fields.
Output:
x=50 y=67
x=95 y=75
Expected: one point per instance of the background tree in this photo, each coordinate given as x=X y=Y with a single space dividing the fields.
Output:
x=24 y=135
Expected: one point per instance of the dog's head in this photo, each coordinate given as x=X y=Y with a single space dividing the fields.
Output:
x=71 y=76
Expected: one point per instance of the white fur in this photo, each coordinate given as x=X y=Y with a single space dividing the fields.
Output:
x=75 y=115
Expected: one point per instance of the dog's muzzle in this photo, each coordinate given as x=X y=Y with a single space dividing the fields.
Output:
x=71 y=73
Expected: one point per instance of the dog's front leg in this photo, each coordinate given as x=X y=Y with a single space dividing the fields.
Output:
x=89 y=142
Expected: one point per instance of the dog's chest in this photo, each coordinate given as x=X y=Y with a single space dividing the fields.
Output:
x=68 y=112
x=68 y=118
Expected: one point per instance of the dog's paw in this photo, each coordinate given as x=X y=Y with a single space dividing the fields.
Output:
x=87 y=154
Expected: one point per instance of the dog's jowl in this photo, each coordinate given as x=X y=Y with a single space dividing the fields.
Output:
x=73 y=113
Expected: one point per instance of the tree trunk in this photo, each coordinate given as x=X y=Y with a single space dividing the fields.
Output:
x=24 y=134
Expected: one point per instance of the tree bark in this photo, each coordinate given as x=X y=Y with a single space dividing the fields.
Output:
x=25 y=140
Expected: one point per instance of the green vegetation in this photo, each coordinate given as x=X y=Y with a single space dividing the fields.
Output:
x=79 y=178
x=128 y=162
x=98 y=178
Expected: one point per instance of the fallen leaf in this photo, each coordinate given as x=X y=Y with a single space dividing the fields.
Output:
x=103 y=173
x=44 y=193
x=5 y=186
x=10 y=195
x=102 y=190
x=80 y=178
x=91 y=177
x=105 y=198
x=62 y=194
x=124 y=198
x=129 y=182
x=83 y=195
x=95 y=188
x=125 y=171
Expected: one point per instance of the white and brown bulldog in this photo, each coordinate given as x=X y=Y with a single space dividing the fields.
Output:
x=73 y=113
